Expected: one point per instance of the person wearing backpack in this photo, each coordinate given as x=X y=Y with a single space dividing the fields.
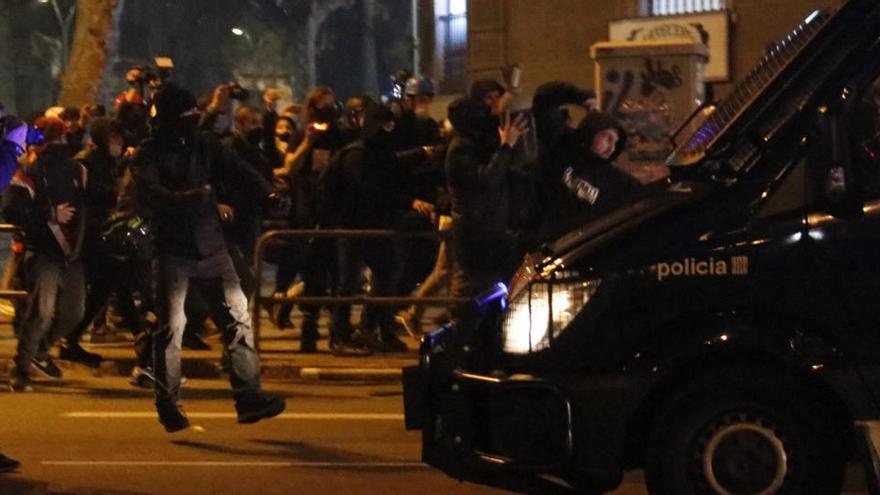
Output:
x=364 y=185
x=47 y=199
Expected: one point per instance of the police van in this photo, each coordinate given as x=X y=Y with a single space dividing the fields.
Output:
x=723 y=334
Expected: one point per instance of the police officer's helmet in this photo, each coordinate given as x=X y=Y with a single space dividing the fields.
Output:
x=419 y=85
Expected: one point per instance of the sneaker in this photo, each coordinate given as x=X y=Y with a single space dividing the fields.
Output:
x=19 y=383
x=257 y=407
x=392 y=343
x=195 y=342
x=8 y=465
x=143 y=377
x=340 y=347
x=75 y=353
x=172 y=417
x=47 y=367
x=279 y=314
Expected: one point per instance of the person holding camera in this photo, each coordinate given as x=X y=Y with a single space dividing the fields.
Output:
x=181 y=171
x=219 y=115
x=48 y=200
x=303 y=169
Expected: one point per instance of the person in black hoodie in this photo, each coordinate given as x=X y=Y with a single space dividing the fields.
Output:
x=583 y=181
x=368 y=196
x=48 y=201
x=180 y=171
x=479 y=171
x=100 y=159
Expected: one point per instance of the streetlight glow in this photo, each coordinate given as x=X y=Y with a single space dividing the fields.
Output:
x=236 y=31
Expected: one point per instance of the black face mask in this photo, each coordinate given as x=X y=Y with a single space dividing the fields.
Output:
x=284 y=136
x=254 y=136
x=187 y=127
x=380 y=138
x=326 y=114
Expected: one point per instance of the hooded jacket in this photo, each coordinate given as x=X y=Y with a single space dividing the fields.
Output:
x=181 y=174
x=55 y=178
x=478 y=172
x=103 y=185
x=581 y=184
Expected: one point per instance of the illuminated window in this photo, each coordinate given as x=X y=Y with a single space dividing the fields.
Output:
x=452 y=30
x=671 y=7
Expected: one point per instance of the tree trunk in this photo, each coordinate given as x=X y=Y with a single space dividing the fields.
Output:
x=94 y=30
x=8 y=93
x=105 y=94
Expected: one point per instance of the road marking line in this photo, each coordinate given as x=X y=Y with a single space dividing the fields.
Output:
x=224 y=415
x=303 y=464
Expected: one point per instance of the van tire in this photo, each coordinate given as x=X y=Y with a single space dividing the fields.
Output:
x=744 y=430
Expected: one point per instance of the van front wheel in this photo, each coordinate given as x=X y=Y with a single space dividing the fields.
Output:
x=740 y=435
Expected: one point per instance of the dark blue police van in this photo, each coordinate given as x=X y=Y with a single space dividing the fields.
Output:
x=723 y=333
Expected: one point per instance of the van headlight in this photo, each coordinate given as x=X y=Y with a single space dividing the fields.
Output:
x=540 y=313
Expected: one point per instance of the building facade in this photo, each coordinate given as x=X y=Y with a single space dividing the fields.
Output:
x=551 y=39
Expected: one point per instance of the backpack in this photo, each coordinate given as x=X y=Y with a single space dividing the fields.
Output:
x=331 y=185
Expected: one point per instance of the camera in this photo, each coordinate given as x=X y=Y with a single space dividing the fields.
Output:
x=236 y=92
x=140 y=75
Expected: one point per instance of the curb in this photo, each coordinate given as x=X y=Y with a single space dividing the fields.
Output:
x=208 y=369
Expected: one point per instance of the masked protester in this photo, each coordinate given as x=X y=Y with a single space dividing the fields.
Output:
x=367 y=194
x=243 y=216
x=303 y=169
x=48 y=201
x=181 y=172
x=100 y=158
x=479 y=173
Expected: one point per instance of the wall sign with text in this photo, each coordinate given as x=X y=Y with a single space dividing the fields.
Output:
x=710 y=28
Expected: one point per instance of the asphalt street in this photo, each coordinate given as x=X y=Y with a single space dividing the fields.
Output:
x=98 y=435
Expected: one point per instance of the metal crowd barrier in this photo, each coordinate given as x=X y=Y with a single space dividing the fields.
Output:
x=260 y=300
x=11 y=268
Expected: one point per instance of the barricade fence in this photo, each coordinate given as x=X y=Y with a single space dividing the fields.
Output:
x=306 y=235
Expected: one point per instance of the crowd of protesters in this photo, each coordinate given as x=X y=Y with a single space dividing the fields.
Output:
x=175 y=192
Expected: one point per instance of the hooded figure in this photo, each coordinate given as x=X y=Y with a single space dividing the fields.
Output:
x=479 y=174
x=182 y=172
x=583 y=181
x=367 y=196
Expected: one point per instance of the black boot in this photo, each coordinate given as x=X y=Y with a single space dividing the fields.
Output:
x=8 y=465
x=171 y=416
x=75 y=353
x=254 y=407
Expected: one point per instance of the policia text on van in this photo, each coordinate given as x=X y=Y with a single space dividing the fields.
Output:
x=723 y=334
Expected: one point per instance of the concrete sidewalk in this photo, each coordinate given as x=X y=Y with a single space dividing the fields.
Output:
x=279 y=354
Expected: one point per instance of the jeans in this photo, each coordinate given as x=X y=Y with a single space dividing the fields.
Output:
x=230 y=312
x=54 y=306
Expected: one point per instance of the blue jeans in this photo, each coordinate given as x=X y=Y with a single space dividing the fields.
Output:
x=54 y=306
x=230 y=312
